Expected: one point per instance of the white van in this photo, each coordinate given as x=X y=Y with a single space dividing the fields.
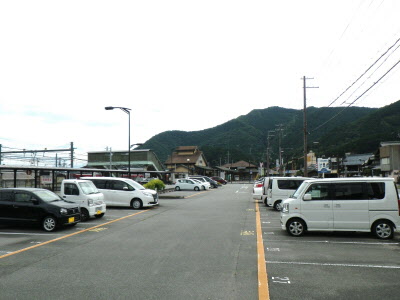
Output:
x=343 y=204
x=85 y=194
x=280 y=188
x=124 y=192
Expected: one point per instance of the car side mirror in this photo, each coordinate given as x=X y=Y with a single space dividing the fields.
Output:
x=307 y=197
x=35 y=201
x=125 y=188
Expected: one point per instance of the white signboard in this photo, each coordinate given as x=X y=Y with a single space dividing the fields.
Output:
x=46 y=179
x=324 y=165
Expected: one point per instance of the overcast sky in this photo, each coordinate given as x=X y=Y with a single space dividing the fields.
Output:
x=182 y=65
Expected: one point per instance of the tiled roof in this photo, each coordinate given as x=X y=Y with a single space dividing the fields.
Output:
x=240 y=163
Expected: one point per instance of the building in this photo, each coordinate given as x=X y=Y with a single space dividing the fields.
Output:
x=352 y=164
x=188 y=160
x=141 y=160
x=242 y=170
x=389 y=153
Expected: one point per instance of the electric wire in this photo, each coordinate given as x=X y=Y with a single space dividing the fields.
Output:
x=369 y=68
x=375 y=83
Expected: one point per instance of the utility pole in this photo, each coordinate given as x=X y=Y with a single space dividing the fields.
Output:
x=279 y=131
x=72 y=154
x=305 y=122
x=268 y=138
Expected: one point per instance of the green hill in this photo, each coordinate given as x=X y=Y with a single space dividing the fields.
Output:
x=354 y=129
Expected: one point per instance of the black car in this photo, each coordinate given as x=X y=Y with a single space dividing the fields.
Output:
x=37 y=206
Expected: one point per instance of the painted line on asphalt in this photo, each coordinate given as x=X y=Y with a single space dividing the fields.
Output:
x=195 y=194
x=332 y=264
x=27 y=233
x=334 y=242
x=263 y=290
x=69 y=235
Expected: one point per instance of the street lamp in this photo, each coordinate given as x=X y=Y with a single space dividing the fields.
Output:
x=126 y=110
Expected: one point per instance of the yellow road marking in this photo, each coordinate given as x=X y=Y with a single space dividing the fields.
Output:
x=69 y=235
x=195 y=194
x=263 y=292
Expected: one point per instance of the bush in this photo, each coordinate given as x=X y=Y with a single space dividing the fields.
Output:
x=155 y=184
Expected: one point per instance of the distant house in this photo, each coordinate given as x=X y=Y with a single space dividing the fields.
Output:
x=242 y=170
x=389 y=153
x=353 y=163
x=188 y=160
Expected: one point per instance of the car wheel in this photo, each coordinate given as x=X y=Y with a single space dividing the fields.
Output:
x=196 y=188
x=296 y=227
x=49 y=223
x=177 y=188
x=84 y=215
x=136 y=203
x=99 y=216
x=383 y=230
x=278 y=205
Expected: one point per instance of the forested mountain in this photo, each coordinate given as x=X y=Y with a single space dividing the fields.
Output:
x=354 y=129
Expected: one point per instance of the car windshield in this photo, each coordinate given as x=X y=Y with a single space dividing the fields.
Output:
x=88 y=188
x=47 y=196
x=134 y=184
x=298 y=191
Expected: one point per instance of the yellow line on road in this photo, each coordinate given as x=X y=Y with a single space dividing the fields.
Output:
x=263 y=292
x=69 y=235
x=195 y=194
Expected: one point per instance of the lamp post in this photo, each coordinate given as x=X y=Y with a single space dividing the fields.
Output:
x=126 y=110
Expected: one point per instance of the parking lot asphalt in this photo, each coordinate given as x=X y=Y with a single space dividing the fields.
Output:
x=198 y=245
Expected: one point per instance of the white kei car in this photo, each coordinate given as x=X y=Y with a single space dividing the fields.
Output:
x=205 y=185
x=187 y=184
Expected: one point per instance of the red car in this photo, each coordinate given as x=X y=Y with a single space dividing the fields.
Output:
x=219 y=180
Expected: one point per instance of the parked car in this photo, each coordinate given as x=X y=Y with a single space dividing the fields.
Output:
x=203 y=186
x=86 y=195
x=212 y=182
x=204 y=181
x=219 y=179
x=124 y=192
x=37 y=206
x=280 y=188
x=258 y=189
x=187 y=184
x=143 y=181
x=368 y=204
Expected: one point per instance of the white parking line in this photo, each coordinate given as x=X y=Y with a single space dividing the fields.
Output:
x=26 y=233
x=334 y=242
x=332 y=265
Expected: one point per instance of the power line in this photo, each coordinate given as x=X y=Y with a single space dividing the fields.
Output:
x=375 y=83
x=369 y=68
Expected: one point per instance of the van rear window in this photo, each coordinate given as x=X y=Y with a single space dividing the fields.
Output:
x=289 y=184
x=376 y=190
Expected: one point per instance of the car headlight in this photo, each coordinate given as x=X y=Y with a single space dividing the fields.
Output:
x=285 y=208
x=90 y=202
x=63 y=211
x=147 y=194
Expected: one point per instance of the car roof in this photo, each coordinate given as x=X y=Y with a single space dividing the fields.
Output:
x=351 y=179
x=24 y=189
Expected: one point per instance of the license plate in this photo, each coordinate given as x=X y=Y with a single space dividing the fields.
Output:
x=71 y=220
